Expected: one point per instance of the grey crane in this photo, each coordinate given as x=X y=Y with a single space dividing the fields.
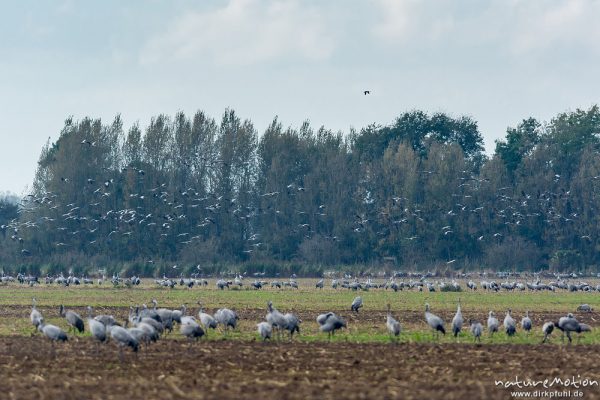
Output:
x=584 y=308
x=35 y=316
x=207 y=320
x=265 y=330
x=52 y=332
x=356 y=304
x=476 y=330
x=158 y=327
x=547 y=330
x=457 y=321
x=123 y=338
x=136 y=318
x=146 y=312
x=435 y=322
x=526 y=323
x=292 y=324
x=177 y=314
x=322 y=318
x=392 y=325
x=152 y=335
x=492 y=323
x=96 y=328
x=332 y=324
x=73 y=319
x=222 y=284
x=190 y=328
x=226 y=317
x=166 y=316
x=319 y=284
x=510 y=325
x=106 y=320
x=140 y=334
x=275 y=318
x=570 y=324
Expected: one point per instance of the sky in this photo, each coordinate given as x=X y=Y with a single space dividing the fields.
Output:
x=497 y=61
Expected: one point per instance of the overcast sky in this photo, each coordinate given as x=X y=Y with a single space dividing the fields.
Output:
x=497 y=61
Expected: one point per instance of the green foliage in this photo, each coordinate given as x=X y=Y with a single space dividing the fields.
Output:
x=520 y=141
x=212 y=196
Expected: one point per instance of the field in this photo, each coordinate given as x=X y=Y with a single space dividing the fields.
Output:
x=359 y=362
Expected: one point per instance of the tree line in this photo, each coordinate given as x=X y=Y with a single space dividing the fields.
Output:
x=419 y=193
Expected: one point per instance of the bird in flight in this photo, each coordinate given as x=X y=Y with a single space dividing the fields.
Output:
x=366 y=92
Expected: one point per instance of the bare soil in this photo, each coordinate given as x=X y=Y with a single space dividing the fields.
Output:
x=33 y=368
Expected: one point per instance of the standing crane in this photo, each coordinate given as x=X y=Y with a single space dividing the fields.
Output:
x=435 y=322
x=457 y=321
x=73 y=319
x=392 y=325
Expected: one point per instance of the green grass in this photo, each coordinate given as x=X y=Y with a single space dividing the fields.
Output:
x=306 y=300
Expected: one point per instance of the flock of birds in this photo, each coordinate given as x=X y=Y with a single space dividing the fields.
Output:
x=565 y=324
x=145 y=325
x=184 y=214
x=424 y=282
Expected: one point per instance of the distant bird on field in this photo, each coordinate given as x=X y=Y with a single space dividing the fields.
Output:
x=547 y=330
x=265 y=330
x=526 y=323
x=96 y=328
x=585 y=308
x=509 y=324
x=123 y=338
x=492 y=323
x=435 y=322
x=227 y=318
x=570 y=324
x=392 y=325
x=190 y=328
x=207 y=320
x=322 y=318
x=476 y=330
x=53 y=332
x=73 y=319
x=331 y=324
x=457 y=321
x=292 y=324
x=356 y=304
x=275 y=318
x=35 y=316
